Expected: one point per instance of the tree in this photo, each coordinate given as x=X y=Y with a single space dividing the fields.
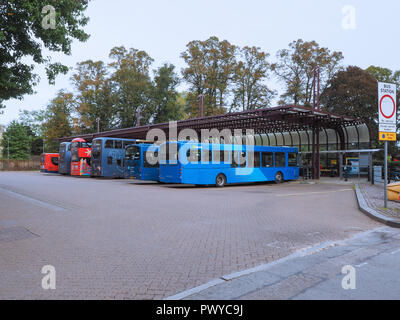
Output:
x=17 y=136
x=296 y=65
x=210 y=70
x=250 y=91
x=33 y=121
x=353 y=92
x=165 y=95
x=95 y=99
x=58 y=120
x=386 y=75
x=132 y=85
x=24 y=33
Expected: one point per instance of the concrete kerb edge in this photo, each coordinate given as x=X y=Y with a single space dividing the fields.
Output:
x=363 y=206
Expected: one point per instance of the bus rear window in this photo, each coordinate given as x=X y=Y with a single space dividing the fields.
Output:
x=150 y=159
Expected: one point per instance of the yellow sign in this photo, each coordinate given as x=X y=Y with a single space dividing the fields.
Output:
x=387 y=136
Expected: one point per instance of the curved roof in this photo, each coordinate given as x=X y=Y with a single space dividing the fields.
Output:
x=283 y=125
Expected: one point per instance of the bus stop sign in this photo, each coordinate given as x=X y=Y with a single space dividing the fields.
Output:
x=387 y=111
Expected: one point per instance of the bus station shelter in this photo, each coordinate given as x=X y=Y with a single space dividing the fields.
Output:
x=322 y=138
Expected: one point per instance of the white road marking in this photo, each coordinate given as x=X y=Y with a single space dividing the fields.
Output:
x=396 y=251
x=361 y=264
x=311 y=193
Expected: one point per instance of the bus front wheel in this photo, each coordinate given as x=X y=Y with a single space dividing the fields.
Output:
x=278 y=177
x=220 y=181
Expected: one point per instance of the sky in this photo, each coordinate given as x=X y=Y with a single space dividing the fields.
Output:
x=365 y=31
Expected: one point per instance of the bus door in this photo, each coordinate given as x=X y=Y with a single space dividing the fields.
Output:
x=132 y=161
x=292 y=166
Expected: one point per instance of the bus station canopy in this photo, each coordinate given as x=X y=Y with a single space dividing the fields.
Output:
x=289 y=125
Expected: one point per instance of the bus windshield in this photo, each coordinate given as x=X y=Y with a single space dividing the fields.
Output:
x=132 y=153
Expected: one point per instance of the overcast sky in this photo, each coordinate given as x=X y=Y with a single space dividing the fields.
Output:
x=163 y=28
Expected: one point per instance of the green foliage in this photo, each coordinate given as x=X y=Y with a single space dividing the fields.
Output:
x=250 y=91
x=210 y=70
x=353 y=92
x=22 y=36
x=16 y=140
x=165 y=95
x=296 y=65
x=58 y=120
x=132 y=85
x=386 y=75
x=95 y=98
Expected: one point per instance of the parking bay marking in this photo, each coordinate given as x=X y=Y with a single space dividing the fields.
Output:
x=311 y=193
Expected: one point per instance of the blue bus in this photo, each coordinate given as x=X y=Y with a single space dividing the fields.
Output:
x=221 y=164
x=64 y=165
x=107 y=158
x=141 y=162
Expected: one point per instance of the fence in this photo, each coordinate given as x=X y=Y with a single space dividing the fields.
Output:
x=19 y=165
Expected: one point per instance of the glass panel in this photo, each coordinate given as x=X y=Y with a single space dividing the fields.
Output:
x=132 y=153
x=254 y=159
x=118 y=144
x=267 y=159
x=280 y=160
x=150 y=159
x=109 y=144
x=292 y=159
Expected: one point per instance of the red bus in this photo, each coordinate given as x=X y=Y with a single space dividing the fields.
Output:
x=80 y=157
x=49 y=162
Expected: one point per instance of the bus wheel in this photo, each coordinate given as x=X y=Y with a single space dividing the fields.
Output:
x=278 y=177
x=220 y=181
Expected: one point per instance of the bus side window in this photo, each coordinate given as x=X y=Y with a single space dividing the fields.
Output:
x=267 y=159
x=109 y=160
x=234 y=159
x=217 y=156
x=206 y=156
x=280 y=160
x=254 y=159
x=225 y=156
x=109 y=144
x=118 y=144
x=119 y=162
x=242 y=159
x=193 y=155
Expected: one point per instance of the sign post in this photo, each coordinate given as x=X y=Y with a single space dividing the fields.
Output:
x=387 y=121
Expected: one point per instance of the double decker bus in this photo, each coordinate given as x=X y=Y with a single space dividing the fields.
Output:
x=49 y=162
x=80 y=157
x=221 y=164
x=64 y=165
x=108 y=155
x=141 y=162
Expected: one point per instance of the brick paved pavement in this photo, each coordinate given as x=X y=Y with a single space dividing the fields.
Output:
x=122 y=239
x=373 y=195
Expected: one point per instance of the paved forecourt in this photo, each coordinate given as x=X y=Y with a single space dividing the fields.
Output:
x=116 y=239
